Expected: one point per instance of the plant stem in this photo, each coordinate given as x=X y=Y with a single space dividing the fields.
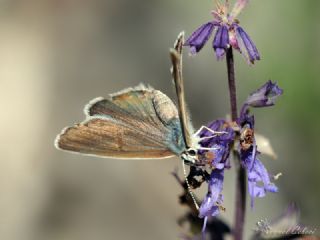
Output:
x=240 y=205
x=232 y=84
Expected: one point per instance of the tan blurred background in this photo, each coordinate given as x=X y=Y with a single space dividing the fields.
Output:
x=56 y=55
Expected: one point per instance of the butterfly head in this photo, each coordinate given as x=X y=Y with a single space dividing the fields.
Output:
x=189 y=156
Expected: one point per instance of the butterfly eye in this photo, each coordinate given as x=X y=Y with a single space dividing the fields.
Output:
x=192 y=152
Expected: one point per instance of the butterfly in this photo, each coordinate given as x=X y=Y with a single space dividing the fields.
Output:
x=138 y=123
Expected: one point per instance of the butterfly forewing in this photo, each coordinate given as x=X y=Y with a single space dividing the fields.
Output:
x=135 y=123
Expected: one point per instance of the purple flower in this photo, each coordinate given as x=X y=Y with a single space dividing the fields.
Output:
x=212 y=201
x=219 y=157
x=228 y=33
x=265 y=96
x=199 y=37
x=211 y=204
x=218 y=160
x=258 y=178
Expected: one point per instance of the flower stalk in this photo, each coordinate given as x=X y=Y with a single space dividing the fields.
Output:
x=240 y=205
x=232 y=84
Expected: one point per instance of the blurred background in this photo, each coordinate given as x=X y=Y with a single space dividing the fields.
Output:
x=56 y=55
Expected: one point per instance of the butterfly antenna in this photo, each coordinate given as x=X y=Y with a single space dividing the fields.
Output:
x=188 y=186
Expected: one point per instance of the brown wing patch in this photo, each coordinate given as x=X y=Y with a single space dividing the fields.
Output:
x=111 y=138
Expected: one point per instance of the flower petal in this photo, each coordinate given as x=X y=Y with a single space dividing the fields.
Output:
x=247 y=47
x=245 y=118
x=258 y=178
x=199 y=37
x=265 y=96
x=209 y=206
x=221 y=41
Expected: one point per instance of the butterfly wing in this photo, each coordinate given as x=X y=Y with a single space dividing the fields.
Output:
x=176 y=70
x=136 y=123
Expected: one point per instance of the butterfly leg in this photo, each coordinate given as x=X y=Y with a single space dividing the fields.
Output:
x=208 y=149
x=203 y=138
x=209 y=129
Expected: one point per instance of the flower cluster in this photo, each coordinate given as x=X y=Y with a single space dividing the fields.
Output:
x=257 y=173
x=228 y=33
x=239 y=137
